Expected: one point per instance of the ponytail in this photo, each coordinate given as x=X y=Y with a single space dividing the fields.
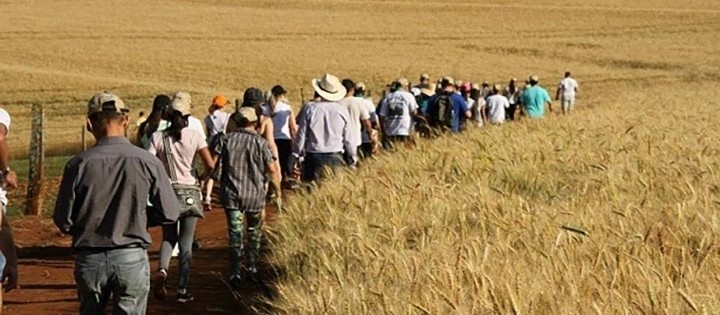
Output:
x=177 y=123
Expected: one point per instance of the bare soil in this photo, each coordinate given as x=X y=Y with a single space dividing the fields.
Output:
x=48 y=287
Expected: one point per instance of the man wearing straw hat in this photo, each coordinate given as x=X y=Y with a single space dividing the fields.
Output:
x=324 y=131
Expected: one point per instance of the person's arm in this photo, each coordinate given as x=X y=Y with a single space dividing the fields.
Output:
x=299 y=140
x=483 y=112
x=292 y=124
x=273 y=170
x=269 y=135
x=208 y=162
x=559 y=90
x=464 y=108
x=9 y=278
x=350 y=149
x=166 y=208
x=382 y=113
x=65 y=202
x=548 y=100
x=10 y=178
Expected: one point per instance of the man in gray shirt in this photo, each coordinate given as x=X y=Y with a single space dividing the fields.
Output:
x=102 y=204
x=324 y=131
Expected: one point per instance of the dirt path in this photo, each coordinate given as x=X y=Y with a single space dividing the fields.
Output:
x=48 y=287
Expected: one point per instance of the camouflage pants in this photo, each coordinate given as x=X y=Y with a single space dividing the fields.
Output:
x=237 y=220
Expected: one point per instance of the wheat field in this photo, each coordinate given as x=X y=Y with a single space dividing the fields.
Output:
x=609 y=210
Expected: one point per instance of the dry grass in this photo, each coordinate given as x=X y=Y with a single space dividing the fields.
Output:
x=611 y=210
x=595 y=213
x=60 y=52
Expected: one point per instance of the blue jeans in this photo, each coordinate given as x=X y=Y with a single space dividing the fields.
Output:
x=236 y=228
x=316 y=163
x=124 y=273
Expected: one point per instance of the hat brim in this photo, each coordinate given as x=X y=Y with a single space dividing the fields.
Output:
x=340 y=94
x=427 y=92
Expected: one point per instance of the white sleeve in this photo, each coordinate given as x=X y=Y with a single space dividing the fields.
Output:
x=5 y=119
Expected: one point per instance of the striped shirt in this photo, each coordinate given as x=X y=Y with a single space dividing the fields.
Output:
x=244 y=156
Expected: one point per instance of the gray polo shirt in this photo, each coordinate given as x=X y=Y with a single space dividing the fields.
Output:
x=104 y=192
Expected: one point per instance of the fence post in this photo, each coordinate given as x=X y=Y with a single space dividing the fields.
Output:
x=37 y=154
x=84 y=143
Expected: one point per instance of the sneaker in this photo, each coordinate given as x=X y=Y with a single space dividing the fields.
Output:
x=184 y=297
x=159 y=280
x=235 y=282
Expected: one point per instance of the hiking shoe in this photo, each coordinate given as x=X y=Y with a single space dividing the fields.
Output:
x=235 y=282
x=159 y=280
x=185 y=297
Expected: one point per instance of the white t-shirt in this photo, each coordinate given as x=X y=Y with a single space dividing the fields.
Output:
x=568 y=86
x=496 y=108
x=216 y=122
x=280 y=119
x=396 y=109
x=358 y=112
x=183 y=153
x=4 y=120
x=196 y=124
x=368 y=103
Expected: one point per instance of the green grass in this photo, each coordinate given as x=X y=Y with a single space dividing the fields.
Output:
x=53 y=168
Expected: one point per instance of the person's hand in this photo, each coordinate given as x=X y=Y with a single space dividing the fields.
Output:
x=292 y=162
x=10 y=278
x=278 y=202
x=11 y=180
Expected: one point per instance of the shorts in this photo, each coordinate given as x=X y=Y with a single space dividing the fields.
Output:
x=568 y=103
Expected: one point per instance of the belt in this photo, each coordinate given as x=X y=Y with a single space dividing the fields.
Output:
x=324 y=153
x=104 y=249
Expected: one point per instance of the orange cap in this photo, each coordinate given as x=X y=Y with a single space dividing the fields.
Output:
x=220 y=101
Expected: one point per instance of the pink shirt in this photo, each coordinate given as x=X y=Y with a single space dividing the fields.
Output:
x=183 y=153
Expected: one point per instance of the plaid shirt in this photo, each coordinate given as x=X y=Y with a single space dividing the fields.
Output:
x=244 y=157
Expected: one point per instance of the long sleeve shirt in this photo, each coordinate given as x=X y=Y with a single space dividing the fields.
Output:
x=104 y=192
x=323 y=127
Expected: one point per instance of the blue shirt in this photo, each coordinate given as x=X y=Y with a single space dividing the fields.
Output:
x=459 y=109
x=534 y=99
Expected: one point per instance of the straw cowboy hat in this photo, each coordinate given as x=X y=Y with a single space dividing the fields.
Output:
x=329 y=88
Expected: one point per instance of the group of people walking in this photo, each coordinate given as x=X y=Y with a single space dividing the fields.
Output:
x=110 y=194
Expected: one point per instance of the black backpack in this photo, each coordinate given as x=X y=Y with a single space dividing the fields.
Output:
x=444 y=115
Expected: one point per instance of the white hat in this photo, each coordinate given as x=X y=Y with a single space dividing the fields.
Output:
x=182 y=102
x=329 y=88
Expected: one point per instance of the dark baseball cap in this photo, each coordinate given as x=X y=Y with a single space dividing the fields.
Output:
x=252 y=97
x=278 y=90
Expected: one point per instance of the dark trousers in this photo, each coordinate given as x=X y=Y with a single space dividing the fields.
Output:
x=393 y=142
x=316 y=164
x=366 y=150
x=510 y=112
x=284 y=147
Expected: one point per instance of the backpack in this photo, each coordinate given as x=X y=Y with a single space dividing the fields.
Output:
x=444 y=115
